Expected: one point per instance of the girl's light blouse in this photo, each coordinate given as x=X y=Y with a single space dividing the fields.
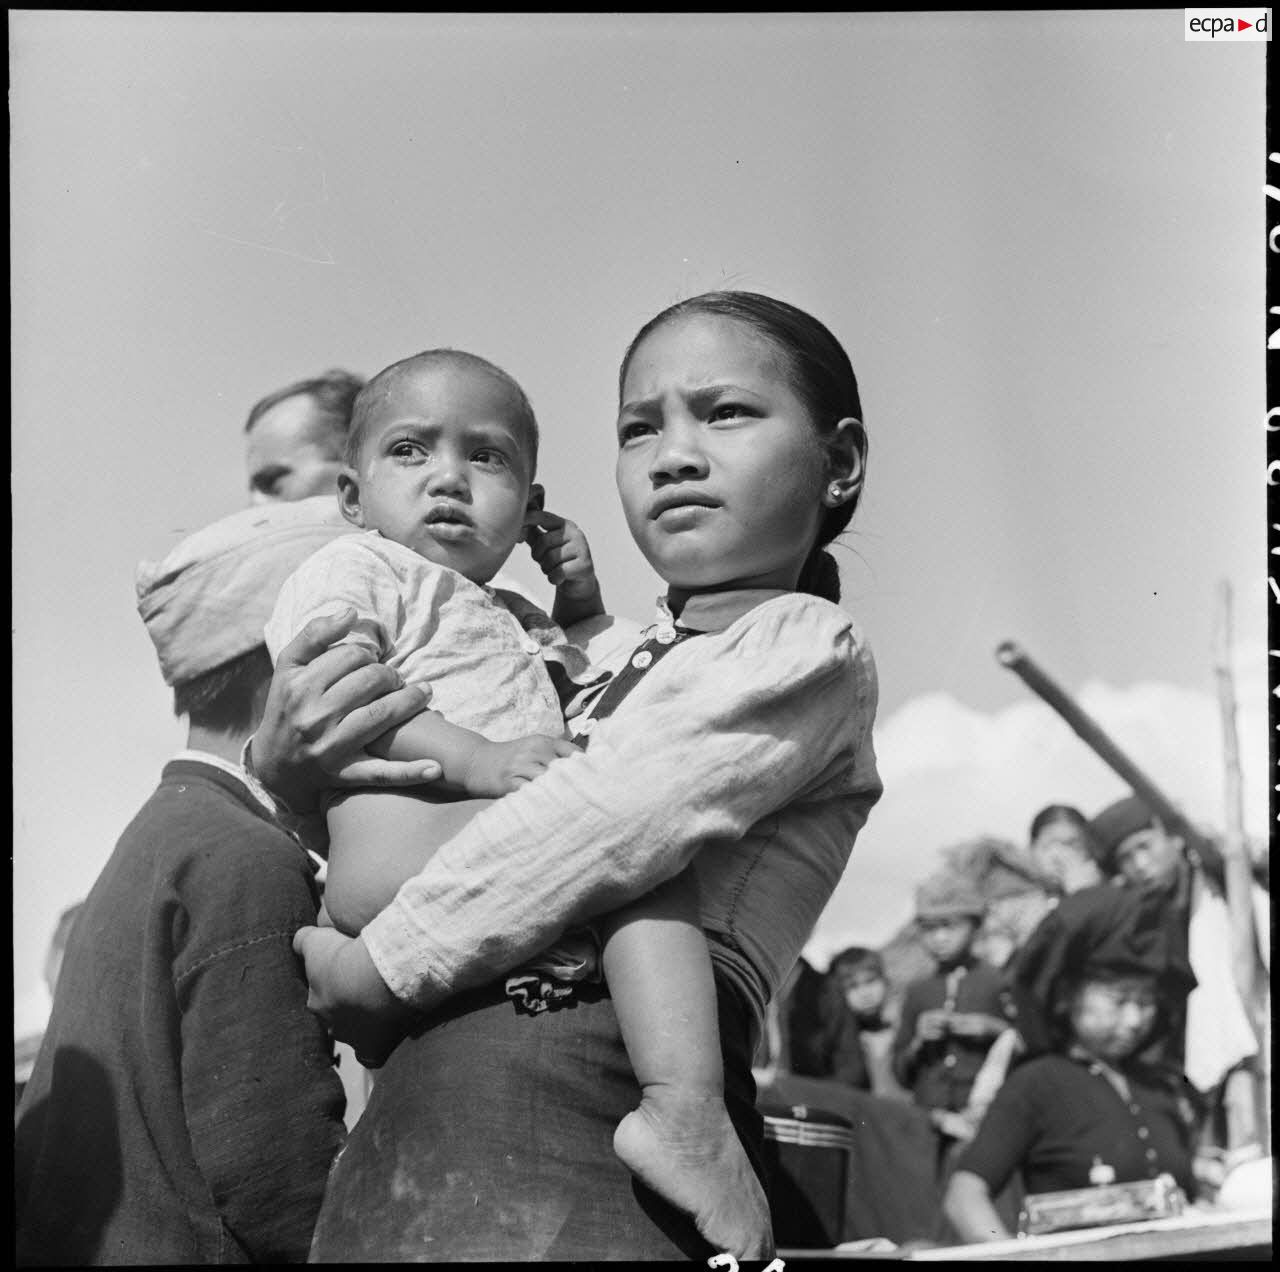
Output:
x=749 y=747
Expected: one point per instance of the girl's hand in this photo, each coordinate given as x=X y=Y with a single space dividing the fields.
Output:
x=560 y=548
x=347 y=993
x=325 y=703
x=931 y=1025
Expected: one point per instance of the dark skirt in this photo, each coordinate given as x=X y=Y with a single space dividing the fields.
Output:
x=489 y=1137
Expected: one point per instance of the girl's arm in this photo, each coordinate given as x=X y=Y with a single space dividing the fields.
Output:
x=968 y=1206
x=1005 y=1142
x=730 y=728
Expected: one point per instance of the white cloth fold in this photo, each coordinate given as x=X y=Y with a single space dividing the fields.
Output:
x=208 y=600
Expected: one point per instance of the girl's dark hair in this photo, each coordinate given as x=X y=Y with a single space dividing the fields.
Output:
x=858 y=956
x=1068 y=815
x=822 y=377
x=1053 y=813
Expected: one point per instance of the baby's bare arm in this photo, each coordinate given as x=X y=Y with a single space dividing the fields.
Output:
x=470 y=764
x=430 y=736
x=377 y=840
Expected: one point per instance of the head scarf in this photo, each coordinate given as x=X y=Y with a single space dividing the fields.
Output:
x=948 y=896
x=208 y=600
x=1099 y=932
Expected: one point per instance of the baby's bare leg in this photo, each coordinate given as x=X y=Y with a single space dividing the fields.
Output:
x=680 y=1141
x=380 y=838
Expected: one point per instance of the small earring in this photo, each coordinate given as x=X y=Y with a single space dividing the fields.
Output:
x=834 y=492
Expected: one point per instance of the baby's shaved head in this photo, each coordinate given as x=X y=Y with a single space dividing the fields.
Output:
x=375 y=394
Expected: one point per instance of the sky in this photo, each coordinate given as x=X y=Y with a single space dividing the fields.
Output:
x=1040 y=236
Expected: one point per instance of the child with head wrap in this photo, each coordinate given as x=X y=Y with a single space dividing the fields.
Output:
x=184 y=1106
x=950 y=1017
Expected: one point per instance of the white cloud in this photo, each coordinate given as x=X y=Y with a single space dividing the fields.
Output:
x=952 y=773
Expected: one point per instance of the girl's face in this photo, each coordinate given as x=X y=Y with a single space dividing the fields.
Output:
x=720 y=468
x=1056 y=840
x=1111 y=1019
x=864 y=989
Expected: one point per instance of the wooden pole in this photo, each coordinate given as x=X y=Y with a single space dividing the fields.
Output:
x=1009 y=654
x=1241 y=1096
x=1237 y=872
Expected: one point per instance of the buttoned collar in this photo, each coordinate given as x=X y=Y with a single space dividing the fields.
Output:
x=1115 y=1077
x=715 y=611
x=1096 y=1066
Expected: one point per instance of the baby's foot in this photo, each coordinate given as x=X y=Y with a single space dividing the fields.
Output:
x=684 y=1147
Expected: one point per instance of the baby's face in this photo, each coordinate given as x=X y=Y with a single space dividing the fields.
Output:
x=445 y=469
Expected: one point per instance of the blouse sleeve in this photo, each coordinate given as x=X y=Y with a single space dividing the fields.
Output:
x=338 y=577
x=730 y=727
x=1006 y=1134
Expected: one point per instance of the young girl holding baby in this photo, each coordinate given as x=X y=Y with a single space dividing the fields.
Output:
x=736 y=739
x=439 y=475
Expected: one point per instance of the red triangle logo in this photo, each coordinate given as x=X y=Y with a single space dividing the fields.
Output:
x=1242 y=25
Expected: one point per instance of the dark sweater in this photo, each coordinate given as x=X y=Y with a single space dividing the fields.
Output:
x=940 y=1074
x=184 y=1107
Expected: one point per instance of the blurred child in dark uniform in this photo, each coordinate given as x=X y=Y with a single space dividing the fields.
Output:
x=951 y=1017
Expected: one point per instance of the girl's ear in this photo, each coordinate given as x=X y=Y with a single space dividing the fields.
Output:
x=846 y=462
x=349 y=495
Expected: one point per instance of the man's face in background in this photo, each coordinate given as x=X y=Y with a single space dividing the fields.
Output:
x=292 y=452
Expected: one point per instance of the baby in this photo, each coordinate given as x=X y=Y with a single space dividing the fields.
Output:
x=439 y=474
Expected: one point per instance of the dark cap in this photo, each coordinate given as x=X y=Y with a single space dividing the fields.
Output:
x=1116 y=823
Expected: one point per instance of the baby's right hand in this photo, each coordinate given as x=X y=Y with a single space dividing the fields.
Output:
x=498 y=768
